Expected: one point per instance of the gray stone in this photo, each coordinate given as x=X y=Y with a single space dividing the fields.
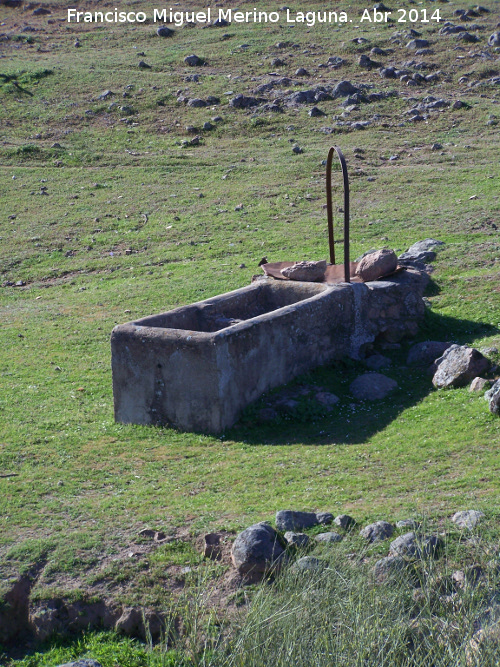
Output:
x=83 y=662
x=426 y=244
x=301 y=72
x=324 y=518
x=377 y=361
x=378 y=531
x=335 y=61
x=243 y=102
x=424 y=354
x=344 y=521
x=144 y=65
x=344 y=88
x=196 y=102
x=164 y=31
x=193 y=60
x=306 y=271
x=377 y=264
x=328 y=538
x=388 y=73
x=105 y=95
x=308 y=564
x=388 y=568
x=327 y=399
x=316 y=113
x=372 y=387
x=296 y=539
x=292 y=520
x=458 y=366
x=493 y=398
x=479 y=385
x=366 y=62
x=408 y=523
x=298 y=150
x=494 y=39
x=417 y=44
x=467 y=519
x=415 y=546
x=256 y=550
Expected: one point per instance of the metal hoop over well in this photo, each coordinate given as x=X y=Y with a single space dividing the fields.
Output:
x=329 y=209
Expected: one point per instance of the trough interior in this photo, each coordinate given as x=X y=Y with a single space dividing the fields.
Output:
x=224 y=311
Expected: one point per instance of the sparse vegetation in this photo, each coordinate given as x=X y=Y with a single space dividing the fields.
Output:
x=106 y=217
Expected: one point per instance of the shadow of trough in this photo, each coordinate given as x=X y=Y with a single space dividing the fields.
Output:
x=350 y=421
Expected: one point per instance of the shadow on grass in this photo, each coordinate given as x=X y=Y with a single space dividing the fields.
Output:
x=351 y=421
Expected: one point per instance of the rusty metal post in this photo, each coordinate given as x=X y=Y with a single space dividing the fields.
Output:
x=329 y=209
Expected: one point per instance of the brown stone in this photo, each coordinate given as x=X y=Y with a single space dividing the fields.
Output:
x=307 y=271
x=377 y=264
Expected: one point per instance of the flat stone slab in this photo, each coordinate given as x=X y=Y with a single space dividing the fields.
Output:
x=467 y=519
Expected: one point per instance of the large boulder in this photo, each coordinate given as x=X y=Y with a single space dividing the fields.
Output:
x=372 y=386
x=256 y=550
x=458 y=366
x=377 y=264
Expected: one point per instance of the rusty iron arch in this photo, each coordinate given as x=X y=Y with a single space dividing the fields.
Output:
x=329 y=209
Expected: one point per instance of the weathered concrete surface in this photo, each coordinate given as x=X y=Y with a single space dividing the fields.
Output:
x=198 y=366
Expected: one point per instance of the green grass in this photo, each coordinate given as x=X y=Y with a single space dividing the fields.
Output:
x=123 y=232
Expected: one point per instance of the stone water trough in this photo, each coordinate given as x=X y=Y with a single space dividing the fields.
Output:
x=198 y=366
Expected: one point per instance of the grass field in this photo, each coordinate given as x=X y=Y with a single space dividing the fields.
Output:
x=106 y=216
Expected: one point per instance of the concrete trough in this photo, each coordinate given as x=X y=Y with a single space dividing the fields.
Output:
x=197 y=367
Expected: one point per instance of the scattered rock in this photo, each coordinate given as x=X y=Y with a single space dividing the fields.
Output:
x=467 y=519
x=424 y=354
x=479 y=385
x=483 y=644
x=196 y=102
x=297 y=150
x=105 y=95
x=418 y=44
x=377 y=361
x=83 y=662
x=494 y=39
x=372 y=387
x=366 y=62
x=458 y=366
x=302 y=72
x=221 y=23
x=388 y=568
x=324 y=518
x=164 y=31
x=212 y=546
x=292 y=520
x=296 y=539
x=305 y=271
x=327 y=399
x=377 y=264
x=144 y=65
x=344 y=521
x=415 y=546
x=41 y=11
x=256 y=550
x=308 y=563
x=193 y=61
x=328 y=538
x=244 y=102
x=335 y=61
x=493 y=398
x=316 y=113
x=344 y=88
x=422 y=251
x=408 y=523
x=378 y=531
